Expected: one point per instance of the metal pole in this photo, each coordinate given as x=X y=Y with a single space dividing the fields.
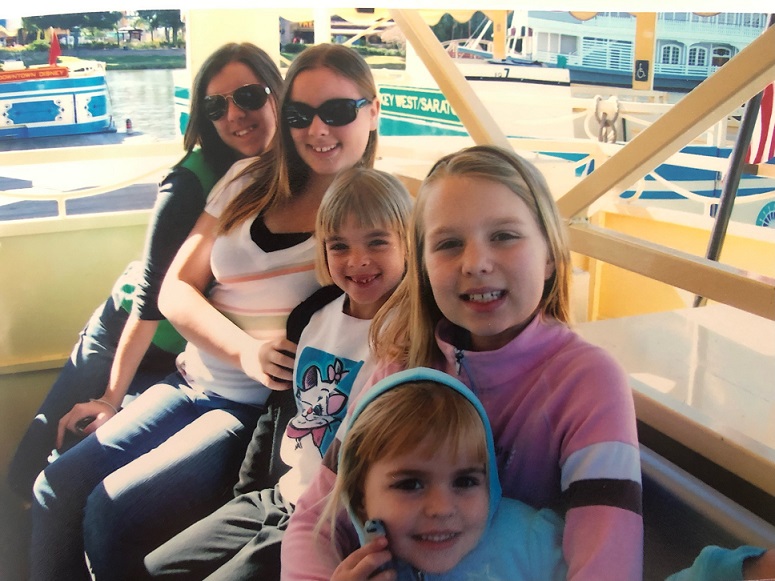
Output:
x=728 y=193
x=727 y=200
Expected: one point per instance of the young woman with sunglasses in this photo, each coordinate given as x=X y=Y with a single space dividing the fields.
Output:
x=168 y=458
x=127 y=345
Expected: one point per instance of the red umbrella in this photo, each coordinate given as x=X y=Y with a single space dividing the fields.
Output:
x=55 y=51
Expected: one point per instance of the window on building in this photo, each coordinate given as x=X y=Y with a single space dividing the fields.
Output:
x=721 y=55
x=698 y=56
x=753 y=19
x=676 y=16
x=568 y=44
x=671 y=54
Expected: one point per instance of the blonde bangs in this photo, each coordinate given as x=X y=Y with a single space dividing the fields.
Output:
x=424 y=417
x=375 y=199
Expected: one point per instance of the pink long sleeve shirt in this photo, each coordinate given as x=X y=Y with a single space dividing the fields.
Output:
x=563 y=421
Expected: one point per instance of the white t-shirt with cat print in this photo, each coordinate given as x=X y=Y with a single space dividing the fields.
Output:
x=332 y=364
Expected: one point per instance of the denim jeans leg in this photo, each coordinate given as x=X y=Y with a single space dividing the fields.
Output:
x=210 y=542
x=84 y=375
x=61 y=490
x=146 y=502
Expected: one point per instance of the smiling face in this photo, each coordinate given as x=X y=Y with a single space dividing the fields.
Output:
x=248 y=133
x=486 y=258
x=327 y=150
x=366 y=263
x=434 y=505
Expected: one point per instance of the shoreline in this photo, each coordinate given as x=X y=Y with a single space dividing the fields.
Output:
x=115 y=59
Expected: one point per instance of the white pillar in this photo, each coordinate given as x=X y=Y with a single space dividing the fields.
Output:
x=322 y=25
x=208 y=29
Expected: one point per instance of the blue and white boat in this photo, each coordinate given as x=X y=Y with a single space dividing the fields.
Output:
x=48 y=101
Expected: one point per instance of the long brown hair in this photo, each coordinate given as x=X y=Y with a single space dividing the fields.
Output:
x=200 y=130
x=281 y=172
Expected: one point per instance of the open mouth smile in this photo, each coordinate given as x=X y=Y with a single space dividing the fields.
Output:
x=363 y=280
x=436 y=537
x=243 y=132
x=487 y=297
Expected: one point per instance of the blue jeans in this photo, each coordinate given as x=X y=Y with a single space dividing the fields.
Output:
x=240 y=540
x=168 y=459
x=85 y=375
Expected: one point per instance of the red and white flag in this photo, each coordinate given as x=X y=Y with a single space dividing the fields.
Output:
x=55 y=51
x=762 y=148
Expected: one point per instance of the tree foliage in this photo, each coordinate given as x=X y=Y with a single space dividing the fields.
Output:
x=167 y=19
x=94 y=20
x=447 y=28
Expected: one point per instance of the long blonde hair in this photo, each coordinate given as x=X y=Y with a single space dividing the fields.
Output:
x=280 y=172
x=403 y=330
x=374 y=198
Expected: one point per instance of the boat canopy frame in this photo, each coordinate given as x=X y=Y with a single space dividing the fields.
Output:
x=738 y=81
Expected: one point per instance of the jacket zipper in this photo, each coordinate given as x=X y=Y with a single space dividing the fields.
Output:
x=460 y=366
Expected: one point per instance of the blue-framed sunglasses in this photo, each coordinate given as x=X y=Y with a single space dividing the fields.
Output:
x=247 y=98
x=334 y=112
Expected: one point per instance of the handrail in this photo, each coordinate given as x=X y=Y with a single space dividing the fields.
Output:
x=154 y=152
x=91 y=153
x=43 y=195
x=735 y=287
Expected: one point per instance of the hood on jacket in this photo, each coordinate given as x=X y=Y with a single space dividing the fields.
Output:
x=425 y=374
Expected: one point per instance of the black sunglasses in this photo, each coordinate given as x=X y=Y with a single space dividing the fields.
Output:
x=247 y=98
x=335 y=112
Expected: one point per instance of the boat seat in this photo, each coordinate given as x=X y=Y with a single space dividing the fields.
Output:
x=682 y=515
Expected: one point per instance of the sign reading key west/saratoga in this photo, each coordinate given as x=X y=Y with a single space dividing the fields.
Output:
x=423 y=107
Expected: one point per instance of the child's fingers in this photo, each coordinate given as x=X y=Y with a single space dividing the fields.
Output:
x=375 y=557
x=276 y=384
x=286 y=346
x=364 y=564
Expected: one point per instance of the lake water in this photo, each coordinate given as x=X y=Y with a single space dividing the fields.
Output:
x=147 y=98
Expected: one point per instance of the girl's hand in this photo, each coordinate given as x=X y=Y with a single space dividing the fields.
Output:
x=761 y=567
x=101 y=412
x=271 y=364
x=363 y=563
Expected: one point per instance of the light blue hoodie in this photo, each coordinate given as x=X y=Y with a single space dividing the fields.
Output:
x=520 y=543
